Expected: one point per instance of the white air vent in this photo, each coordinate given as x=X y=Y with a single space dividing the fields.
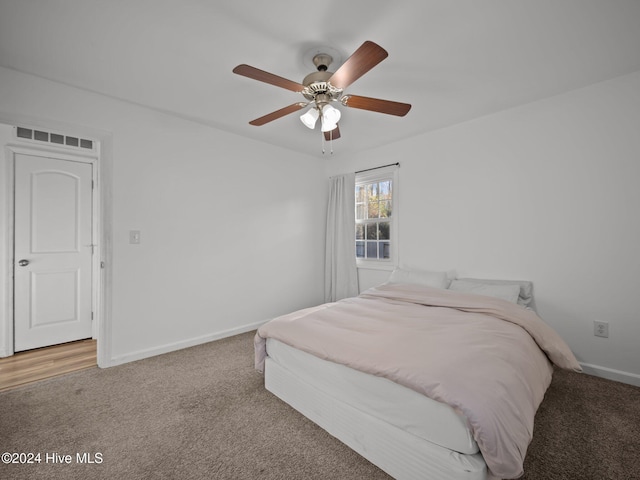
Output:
x=40 y=136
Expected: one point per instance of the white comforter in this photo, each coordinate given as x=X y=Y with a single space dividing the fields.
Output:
x=485 y=357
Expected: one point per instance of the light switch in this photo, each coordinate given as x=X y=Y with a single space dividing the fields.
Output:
x=134 y=236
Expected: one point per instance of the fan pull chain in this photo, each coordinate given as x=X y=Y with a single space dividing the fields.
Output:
x=330 y=142
x=322 y=142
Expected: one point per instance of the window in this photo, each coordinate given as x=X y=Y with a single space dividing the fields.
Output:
x=375 y=225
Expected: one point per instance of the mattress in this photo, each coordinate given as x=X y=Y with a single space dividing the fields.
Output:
x=379 y=397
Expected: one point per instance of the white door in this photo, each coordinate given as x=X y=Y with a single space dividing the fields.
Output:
x=53 y=251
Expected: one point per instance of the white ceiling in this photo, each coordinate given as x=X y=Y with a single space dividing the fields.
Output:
x=453 y=60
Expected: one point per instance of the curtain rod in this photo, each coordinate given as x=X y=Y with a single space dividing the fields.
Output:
x=397 y=164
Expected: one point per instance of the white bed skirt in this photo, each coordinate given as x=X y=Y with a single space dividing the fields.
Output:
x=402 y=455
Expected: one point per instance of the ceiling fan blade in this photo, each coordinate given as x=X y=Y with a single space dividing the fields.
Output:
x=360 y=62
x=376 y=105
x=333 y=134
x=262 y=76
x=277 y=114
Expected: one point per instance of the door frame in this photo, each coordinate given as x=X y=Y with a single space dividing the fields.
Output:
x=101 y=159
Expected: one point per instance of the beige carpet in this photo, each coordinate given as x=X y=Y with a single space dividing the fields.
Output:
x=203 y=413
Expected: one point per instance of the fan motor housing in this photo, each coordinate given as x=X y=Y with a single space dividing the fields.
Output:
x=317 y=83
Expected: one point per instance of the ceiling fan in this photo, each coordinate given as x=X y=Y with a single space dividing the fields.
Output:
x=321 y=88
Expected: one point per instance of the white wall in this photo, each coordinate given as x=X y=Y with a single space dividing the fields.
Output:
x=232 y=231
x=547 y=192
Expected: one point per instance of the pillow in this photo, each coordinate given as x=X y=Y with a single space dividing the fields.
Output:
x=525 y=296
x=420 y=277
x=509 y=293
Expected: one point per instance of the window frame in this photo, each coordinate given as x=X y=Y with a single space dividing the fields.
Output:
x=372 y=176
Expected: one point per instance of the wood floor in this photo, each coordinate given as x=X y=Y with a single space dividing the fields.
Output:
x=34 y=365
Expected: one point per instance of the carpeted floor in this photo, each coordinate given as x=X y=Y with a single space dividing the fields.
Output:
x=587 y=428
x=203 y=413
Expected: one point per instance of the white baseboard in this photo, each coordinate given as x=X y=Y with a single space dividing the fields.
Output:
x=611 y=374
x=151 y=352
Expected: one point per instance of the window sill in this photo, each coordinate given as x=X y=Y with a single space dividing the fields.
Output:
x=369 y=265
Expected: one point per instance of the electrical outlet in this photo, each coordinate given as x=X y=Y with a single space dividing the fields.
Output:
x=134 y=237
x=601 y=329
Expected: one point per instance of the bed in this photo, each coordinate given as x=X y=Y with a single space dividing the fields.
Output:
x=423 y=381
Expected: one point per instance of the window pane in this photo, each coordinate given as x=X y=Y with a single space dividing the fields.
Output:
x=372 y=249
x=372 y=191
x=385 y=250
x=360 y=211
x=360 y=191
x=385 y=190
x=385 y=209
x=372 y=233
x=373 y=210
x=359 y=232
x=384 y=230
x=360 y=249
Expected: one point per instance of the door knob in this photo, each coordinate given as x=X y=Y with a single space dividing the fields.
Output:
x=23 y=263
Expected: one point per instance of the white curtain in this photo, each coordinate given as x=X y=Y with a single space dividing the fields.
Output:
x=340 y=272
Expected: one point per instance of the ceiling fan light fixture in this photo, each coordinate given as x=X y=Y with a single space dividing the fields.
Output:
x=322 y=87
x=310 y=117
x=330 y=118
x=328 y=126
